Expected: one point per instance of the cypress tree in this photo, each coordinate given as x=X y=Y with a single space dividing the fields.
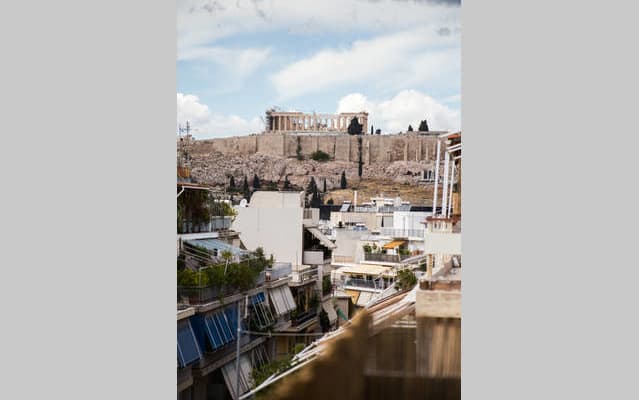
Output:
x=287 y=184
x=343 y=180
x=360 y=163
x=324 y=191
x=312 y=186
x=245 y=189
x=410 y=128
x=232 y=187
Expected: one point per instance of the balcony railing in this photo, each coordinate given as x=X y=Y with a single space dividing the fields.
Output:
x=217 y=223
x=303 y=317
x=395 y=258
x=279 y=270
x=316 y=257
x=201 y=295
x=303 y=275
x=379 y=284
x=402 y=233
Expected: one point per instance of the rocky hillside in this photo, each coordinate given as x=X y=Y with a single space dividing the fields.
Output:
x=215 y=169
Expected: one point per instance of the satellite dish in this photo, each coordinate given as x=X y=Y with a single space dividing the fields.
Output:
x=243 y=203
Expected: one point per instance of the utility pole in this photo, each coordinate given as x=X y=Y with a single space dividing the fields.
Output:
x=237 y=352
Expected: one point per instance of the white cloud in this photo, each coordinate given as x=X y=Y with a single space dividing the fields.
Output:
x=408 y=107
x=240 y=62
x=391 y=62
x=202 y=22
x=208 y=125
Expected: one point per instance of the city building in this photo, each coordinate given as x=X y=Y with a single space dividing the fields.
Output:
x=222 y=285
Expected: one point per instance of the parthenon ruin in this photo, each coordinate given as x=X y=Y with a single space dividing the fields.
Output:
x=282 y=121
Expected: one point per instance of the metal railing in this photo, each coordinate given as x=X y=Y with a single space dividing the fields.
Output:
x=402 y=233
x=300 y=276
x=200 y=295
x=215 y=224
x=278 y=271
x=395 y=258
x=303 y=317
x=379 y=284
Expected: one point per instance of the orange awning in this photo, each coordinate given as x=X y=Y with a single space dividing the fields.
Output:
x=354 y=295
x=394 y=244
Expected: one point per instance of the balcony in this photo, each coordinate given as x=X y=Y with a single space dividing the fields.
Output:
x=303 y=274
x=310 y=216
x=393 y=258
x=378 y=284
x=202 y=295
x=316 y=257
x=402 y=233
x=299 y=319
x=216 y=223
x=278 y=271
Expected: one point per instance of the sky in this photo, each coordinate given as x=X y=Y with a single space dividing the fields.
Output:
x=400 y=60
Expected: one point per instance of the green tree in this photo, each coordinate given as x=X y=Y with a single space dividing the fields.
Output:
x=406 y=279
x=324 y=191
x=325 y=323
x=256 y=182
x=329 y=201
x=298 y=151
x=410 y=128
x=312 y=186
x=245 y=189
x=355 y=128
x=316 y=201
x=343 y=180
x=360 y=163
x=423 y=126
x=320 y=156
x=287 y=184
x=232 y=187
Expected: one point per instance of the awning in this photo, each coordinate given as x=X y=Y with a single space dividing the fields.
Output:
x=394 y=244
x=364 y=298
x=364 y=269
x=330 y=310
x=188 y=350
x=354 y=295
x=324 y=240
x=230 y=375
x=282 y=299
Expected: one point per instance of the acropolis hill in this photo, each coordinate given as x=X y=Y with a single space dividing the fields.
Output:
x=273 y=154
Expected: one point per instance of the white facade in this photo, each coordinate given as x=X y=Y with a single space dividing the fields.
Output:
x=274 y=221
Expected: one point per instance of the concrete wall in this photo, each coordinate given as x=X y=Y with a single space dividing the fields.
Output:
x=442 y=243
x=409 y=219
x=375 y=148
x=277 y=230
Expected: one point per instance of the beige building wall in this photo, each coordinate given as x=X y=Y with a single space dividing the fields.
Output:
x=274 y=221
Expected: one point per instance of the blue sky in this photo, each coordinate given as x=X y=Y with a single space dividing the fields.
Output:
x=397 y=59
